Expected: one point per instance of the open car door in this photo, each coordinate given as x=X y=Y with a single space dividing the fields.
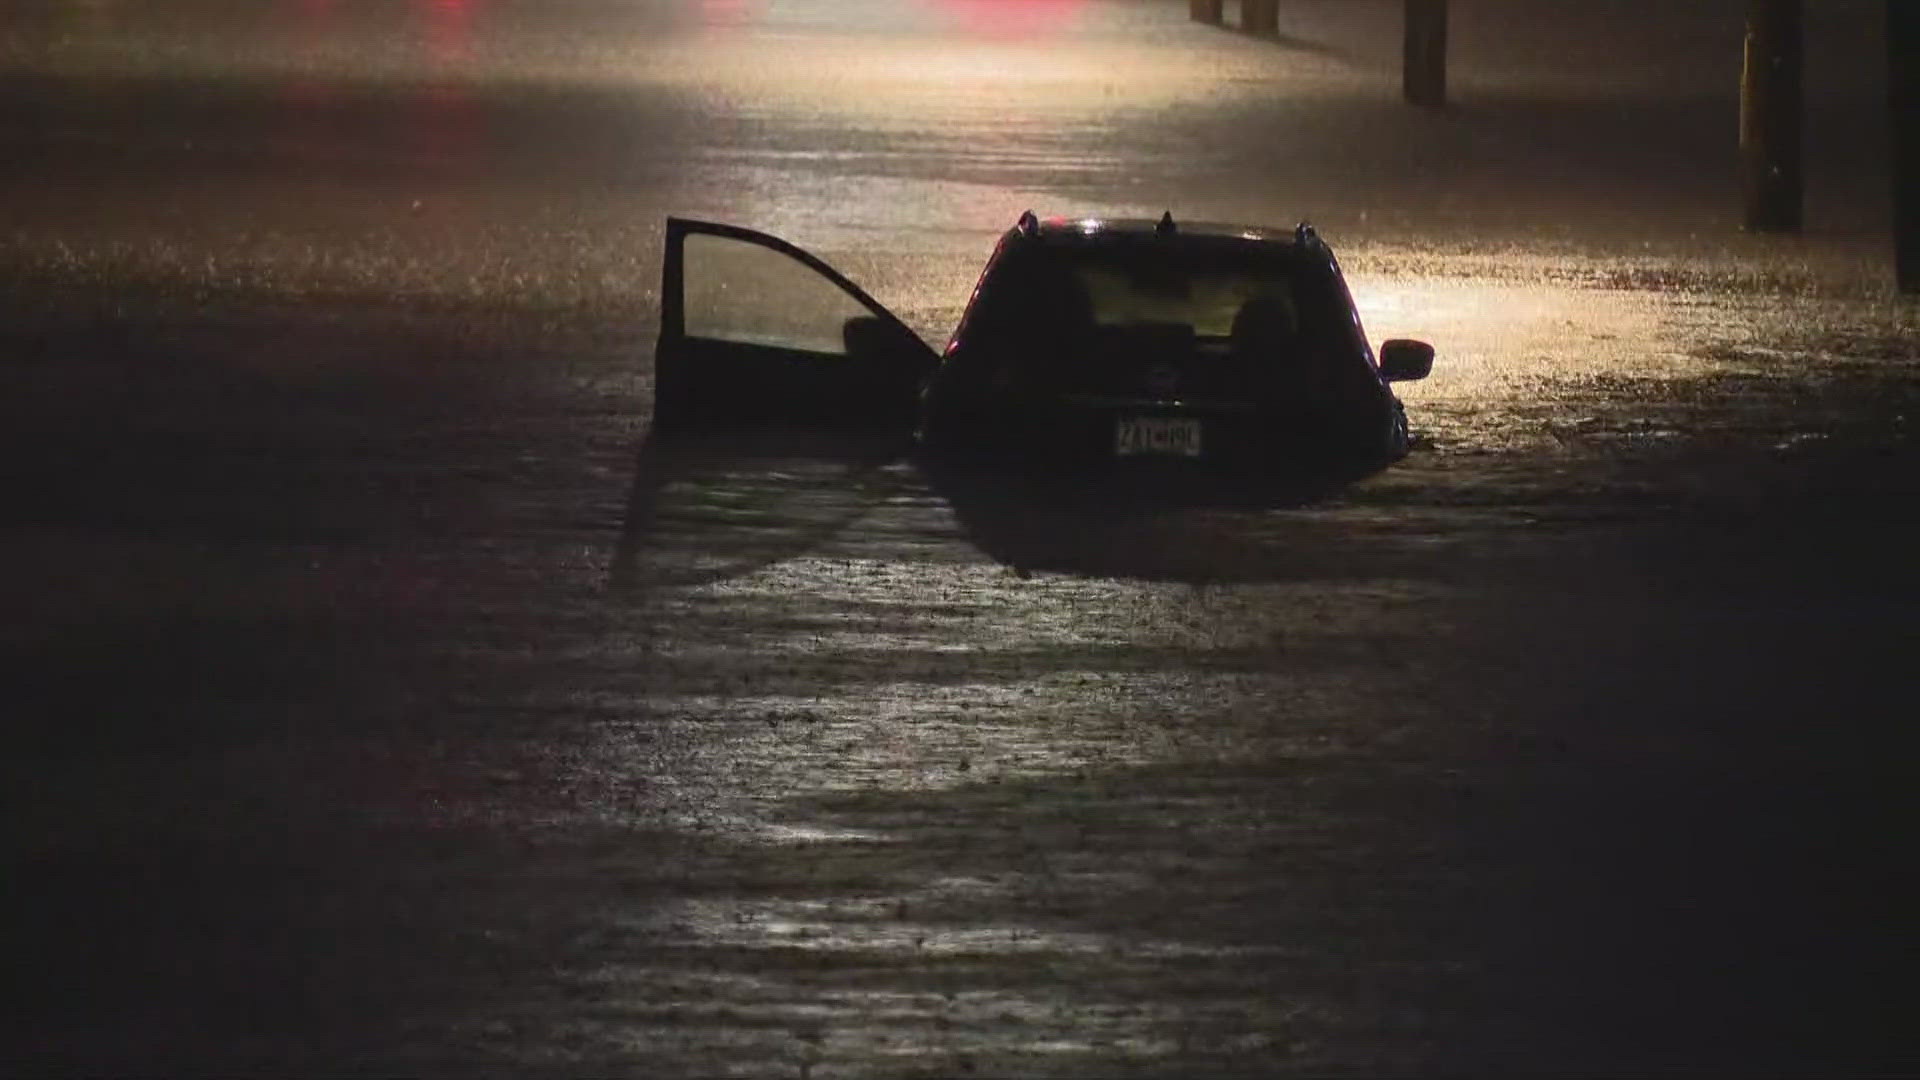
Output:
x=756 y=332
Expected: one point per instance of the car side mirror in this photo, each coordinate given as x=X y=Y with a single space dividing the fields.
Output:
x=1402 y=360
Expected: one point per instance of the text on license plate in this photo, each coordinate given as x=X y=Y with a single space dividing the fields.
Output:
x=1179 y=436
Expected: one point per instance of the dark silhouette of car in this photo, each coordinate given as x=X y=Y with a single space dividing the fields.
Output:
x=1099 y=343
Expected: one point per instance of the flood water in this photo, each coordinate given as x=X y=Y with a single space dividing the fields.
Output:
x=384 y=699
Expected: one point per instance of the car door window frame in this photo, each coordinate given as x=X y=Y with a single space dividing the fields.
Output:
x=673 y=311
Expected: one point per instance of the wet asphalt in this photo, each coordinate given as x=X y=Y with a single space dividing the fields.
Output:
x=382 y=699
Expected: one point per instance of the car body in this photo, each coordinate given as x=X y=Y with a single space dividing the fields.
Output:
x=1086 y=343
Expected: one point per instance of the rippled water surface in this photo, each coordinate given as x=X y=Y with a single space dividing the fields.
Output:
x=386 y=699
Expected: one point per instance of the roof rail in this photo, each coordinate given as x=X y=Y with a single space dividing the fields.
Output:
x=1029 y=225
x=1166 y=226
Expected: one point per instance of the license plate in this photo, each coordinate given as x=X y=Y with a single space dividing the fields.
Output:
x=1176 y=436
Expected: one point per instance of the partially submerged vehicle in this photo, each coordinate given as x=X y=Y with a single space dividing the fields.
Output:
x=1086 y=343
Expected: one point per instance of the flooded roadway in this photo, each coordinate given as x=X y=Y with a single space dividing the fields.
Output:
x=381 y=701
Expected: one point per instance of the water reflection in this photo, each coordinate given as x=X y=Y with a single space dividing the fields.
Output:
x=307 y=88
x=445 y=119
x=1011 y=18
x=449 y=32
x=724 y=14
x=431 y=111
x=705 y=509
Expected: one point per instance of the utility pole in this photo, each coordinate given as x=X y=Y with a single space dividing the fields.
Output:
x=1260 y=16
x=1770 y=112
x=1425 y=77
x=1903 y=96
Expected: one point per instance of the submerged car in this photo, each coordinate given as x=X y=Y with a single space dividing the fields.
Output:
x=1086 y=342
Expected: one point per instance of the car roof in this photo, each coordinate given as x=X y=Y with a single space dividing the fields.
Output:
x=1186 y=235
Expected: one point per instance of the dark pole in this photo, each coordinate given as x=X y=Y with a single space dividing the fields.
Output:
x=1206 y=11
x=1260 y=16
x=1425 y=77
x=1903 y=85
x=1770 y=110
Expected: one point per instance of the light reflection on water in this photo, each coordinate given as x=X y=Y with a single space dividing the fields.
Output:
x=862 y=647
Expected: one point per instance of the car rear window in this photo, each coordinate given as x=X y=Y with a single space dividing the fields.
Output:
x=1202 y=296
x=1165 y=285
x=1114 y=316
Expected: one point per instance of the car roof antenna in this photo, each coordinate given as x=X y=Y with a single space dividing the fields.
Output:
x=1166 y=226
x=1029 y=224
x=1303 y=233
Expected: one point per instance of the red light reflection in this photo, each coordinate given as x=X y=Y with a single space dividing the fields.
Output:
x=307 y=89
x=719 y=14
x=1011 y=18
x=450 y=31
x=444 y=114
